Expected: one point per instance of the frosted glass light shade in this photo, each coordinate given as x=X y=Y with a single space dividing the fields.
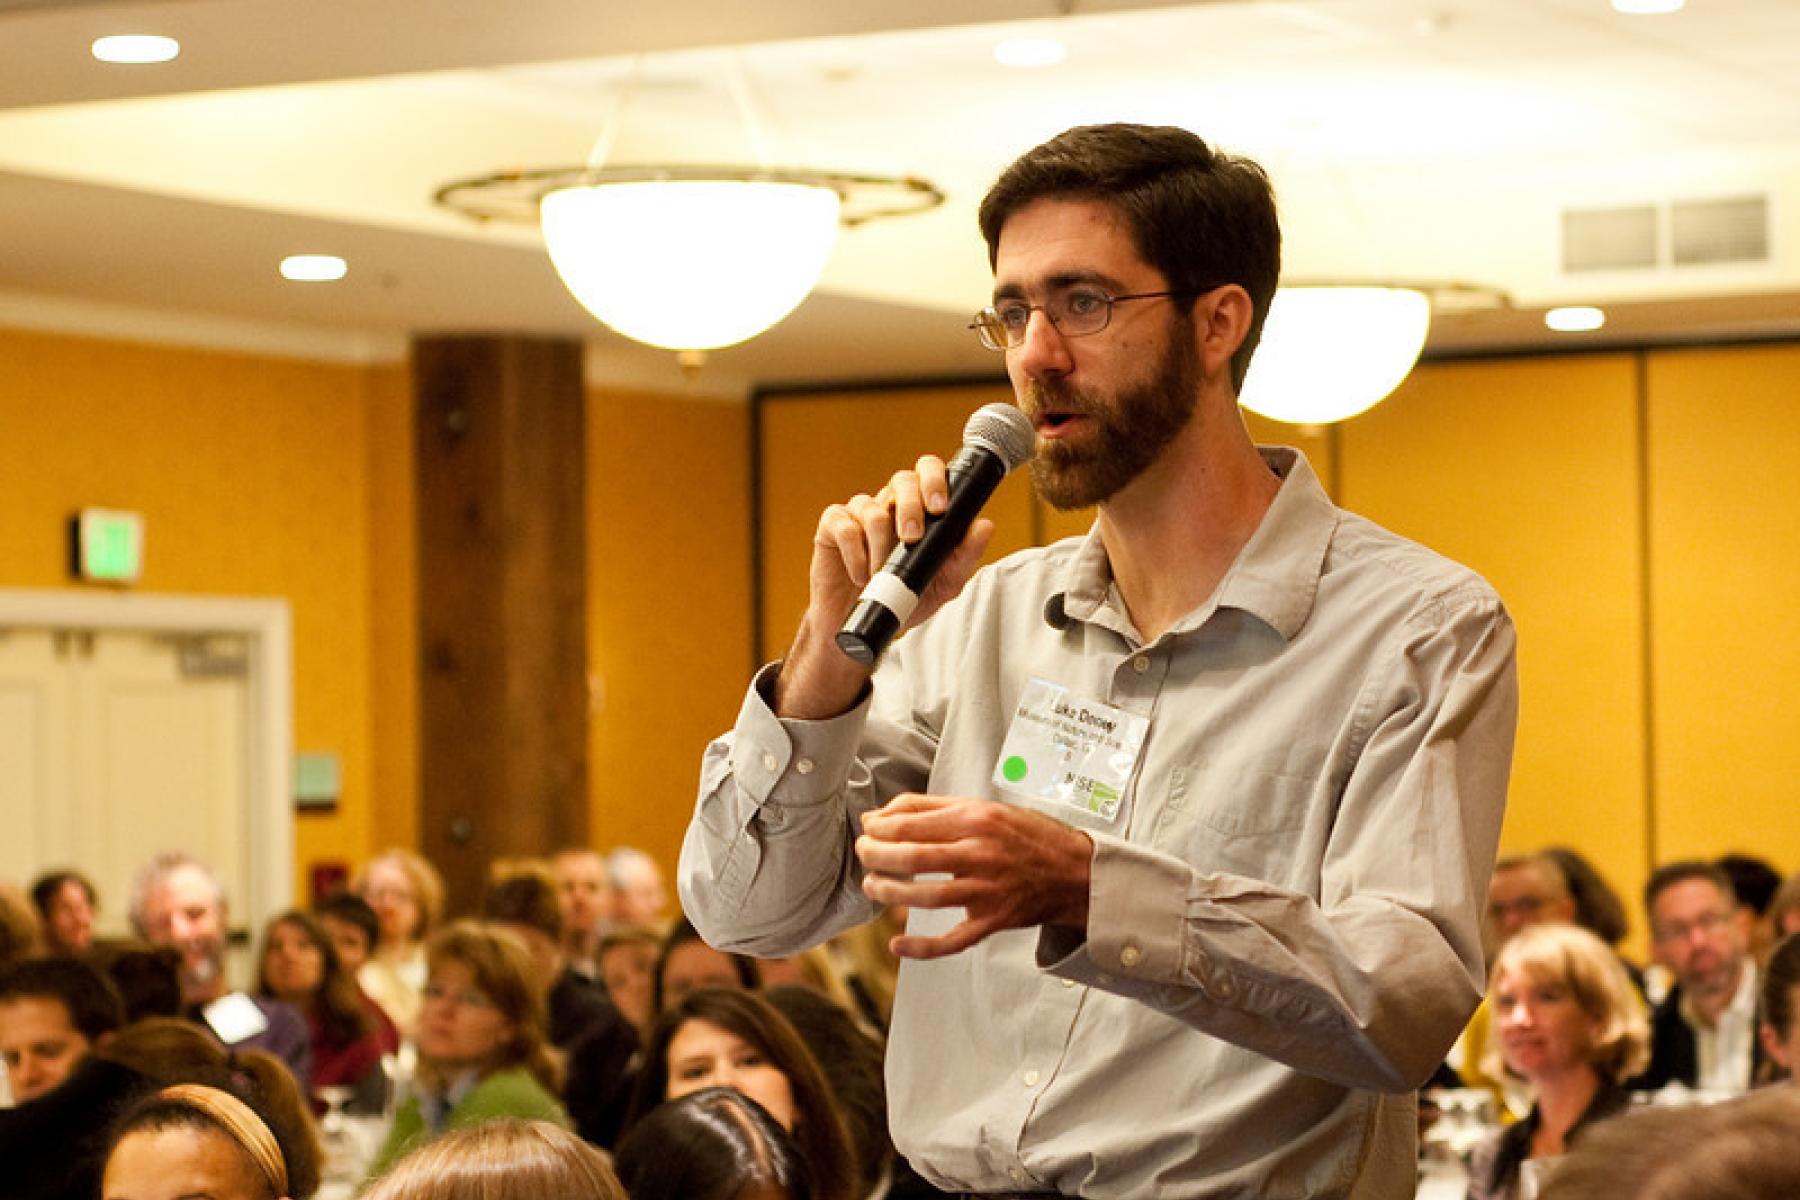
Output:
x=690 y=264
x=1328 y=353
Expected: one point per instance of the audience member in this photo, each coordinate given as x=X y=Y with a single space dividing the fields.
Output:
x=53 y=1012
x=727 y=1037
x=66 y=903
x=1598 y=908
x=1753 y=884
x=713 y=1144
x=628 y=959
x=177 y=901
x=584 y=894
x=352 y=927
x=1784 y=908
x=1781 y=1009
x=299 y=967
x=525 y=902
x=1738 y=1150
x=639 y=896
x=407 y=895
x=481 y=1043
x=1572 y=1026
x=687 y=963
x=502 y=1159
x=197 y=1140
x=1703 y=1034
x=21 y=937
x=52 y=1146
x=871 y=965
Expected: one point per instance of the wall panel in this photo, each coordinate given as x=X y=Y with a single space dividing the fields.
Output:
x=1725 y=587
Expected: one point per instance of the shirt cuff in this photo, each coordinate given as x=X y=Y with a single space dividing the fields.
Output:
x=1137 y=914
x=788 y=761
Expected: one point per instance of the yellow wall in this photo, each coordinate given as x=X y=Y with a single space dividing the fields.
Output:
x=252 y=477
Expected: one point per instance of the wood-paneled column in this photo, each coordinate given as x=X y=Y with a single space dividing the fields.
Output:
x=502 y=617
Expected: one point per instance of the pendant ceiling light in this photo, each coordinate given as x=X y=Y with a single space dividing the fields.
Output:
x=688 y=257
x=1332 y=350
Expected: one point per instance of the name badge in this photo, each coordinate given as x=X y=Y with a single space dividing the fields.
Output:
x=1070 y=751
x=234 y=1017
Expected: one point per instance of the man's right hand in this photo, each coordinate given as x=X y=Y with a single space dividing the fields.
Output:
x=852 y=540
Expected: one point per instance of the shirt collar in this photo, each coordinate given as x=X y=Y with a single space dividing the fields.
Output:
x=1274 y=578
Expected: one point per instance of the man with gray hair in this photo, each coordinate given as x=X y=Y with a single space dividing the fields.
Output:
x=640 y=899
x=178 y=902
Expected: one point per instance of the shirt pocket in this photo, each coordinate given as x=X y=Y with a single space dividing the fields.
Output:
x=1244 y=818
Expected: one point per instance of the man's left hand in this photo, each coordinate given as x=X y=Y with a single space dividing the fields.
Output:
x=1009 y=867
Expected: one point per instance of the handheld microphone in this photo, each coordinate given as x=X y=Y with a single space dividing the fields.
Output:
x=997 y=438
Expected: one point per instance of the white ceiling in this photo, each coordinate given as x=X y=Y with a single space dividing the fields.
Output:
x=1414 y=139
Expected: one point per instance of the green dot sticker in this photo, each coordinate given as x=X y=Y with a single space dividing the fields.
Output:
x=1013 y=768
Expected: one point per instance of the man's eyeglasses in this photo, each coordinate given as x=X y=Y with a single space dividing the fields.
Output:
x=1074 y=312
x=1706 y=924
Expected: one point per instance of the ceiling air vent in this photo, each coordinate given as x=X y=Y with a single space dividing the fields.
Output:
x=1719 y=231
x=1609 y=239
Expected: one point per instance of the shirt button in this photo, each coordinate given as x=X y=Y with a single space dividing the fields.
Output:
x=804 y=766
x=1140 y=664
x=1129 y=956
x=1068 y=983
x=771 y=763
x=1031 y=1078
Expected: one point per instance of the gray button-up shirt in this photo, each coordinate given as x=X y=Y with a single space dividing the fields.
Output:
x=1282 y=934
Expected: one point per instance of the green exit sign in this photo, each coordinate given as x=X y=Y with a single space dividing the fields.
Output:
x=108 y=545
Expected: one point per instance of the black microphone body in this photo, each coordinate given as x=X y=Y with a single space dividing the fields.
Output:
x=1000 y=443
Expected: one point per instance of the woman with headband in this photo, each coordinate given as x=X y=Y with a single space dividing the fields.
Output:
x=195 y=1140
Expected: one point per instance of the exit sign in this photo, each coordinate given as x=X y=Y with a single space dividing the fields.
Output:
x=108 y=545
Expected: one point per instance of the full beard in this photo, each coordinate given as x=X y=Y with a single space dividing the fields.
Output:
x=1128 y=433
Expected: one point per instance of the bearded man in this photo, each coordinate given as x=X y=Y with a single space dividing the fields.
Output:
x=1194 y=815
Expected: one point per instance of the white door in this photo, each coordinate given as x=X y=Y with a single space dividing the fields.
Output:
x=118 y=744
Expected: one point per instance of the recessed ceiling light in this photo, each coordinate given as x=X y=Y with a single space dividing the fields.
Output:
x=1030 y=52
x=313 y=268
x=136 y=48
x=1575 y=318
x=1645 y=8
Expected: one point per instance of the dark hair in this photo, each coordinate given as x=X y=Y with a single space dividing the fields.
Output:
x=1781 y=977
x=45 y=887
x=270 y=1142
x=714 y=1144
x=1199 y=216
x=351 y=909
x=337 y=1003
x=1598 y=908
x=819 y=1129
x=527 y=899
x=1753 y=880
x=852 y=1058
x=680 y=934
x=176 y=1052
x=148 y=977
x=93 y=1003
x=1670 y=874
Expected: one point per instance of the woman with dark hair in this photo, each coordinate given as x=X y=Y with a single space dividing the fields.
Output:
x=725 y=1037
x=482 y=1047
x=200 y=1140
x=1781 y=1008
x=299 y=966
x=687 y=963
x=66 y=903
x=713 y=1144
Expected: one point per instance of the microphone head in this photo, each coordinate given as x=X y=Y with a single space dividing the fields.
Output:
x=1002 y=430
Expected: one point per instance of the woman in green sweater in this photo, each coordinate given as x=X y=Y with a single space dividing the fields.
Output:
x=481 y=1042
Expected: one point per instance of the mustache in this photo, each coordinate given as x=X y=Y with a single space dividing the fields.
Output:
x=1040 y=397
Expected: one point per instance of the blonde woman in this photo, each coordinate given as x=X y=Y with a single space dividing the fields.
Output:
x=1570 y=1024
x=407 y=895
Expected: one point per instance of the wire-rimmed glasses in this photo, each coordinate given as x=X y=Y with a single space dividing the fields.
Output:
x=1073 y=311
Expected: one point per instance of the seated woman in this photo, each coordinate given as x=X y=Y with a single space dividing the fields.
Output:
x=194 y=1139
x=1571 y=1025
x=725 y=1037
x=407 y=895
x=713 y=1144
x=300 y=967
x=687 y=963
x=1781 y=1008
x=481 y=1042
x=503 y=1159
